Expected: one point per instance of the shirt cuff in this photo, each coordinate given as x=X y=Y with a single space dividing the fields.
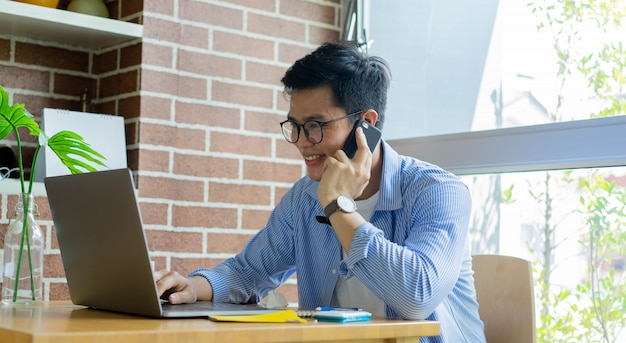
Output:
x=220 y=290
x=358 y=249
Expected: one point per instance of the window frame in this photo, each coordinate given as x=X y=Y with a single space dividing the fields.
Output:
x=590 y=143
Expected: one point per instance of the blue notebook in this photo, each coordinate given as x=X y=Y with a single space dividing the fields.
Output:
x=342 y=316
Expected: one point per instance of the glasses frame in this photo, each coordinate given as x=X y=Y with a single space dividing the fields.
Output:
x=321 y=125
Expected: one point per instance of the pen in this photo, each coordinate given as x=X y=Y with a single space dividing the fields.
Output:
x=338 y=309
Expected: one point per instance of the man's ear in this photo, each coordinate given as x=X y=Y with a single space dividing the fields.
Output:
x=370 y=116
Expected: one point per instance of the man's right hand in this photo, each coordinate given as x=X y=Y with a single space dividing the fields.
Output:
x=177 y=289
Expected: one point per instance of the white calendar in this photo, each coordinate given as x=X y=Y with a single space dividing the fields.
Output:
x=103 y=132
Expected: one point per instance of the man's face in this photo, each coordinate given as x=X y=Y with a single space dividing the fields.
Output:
x=316 y=104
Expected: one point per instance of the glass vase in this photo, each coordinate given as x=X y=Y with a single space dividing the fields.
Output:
x=22 y=280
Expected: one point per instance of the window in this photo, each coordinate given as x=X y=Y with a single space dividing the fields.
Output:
x=525 y=101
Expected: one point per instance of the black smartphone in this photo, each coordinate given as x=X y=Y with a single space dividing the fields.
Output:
x=372 y=133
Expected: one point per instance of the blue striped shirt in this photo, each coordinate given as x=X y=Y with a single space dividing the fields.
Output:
x=413 y=254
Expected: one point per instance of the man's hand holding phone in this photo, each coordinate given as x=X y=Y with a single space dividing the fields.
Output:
x=372 y=133
x=349 y=172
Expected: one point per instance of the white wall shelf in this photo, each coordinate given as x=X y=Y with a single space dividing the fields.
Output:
x=65 y=27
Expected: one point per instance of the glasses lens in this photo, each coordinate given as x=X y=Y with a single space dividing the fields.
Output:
x=313 y=131
x=290 y=131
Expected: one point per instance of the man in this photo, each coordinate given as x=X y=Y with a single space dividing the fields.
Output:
x=403 y=253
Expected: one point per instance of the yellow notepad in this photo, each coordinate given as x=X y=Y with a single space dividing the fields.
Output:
x=287 y=316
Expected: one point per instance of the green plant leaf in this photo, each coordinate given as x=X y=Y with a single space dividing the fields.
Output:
x=68 y=145
x=15 y=116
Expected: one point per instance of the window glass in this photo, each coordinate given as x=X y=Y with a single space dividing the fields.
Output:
x=483 y=74
x=509 y=63
x=572 y=225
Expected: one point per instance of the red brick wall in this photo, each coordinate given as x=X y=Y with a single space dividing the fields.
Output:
x=202 y=100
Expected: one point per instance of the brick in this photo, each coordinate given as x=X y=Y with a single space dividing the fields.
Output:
x=271 y=171
x=169 y=188
x=282 y=102
x=54 y=243
x=204 y=216
x=105 y=62
x=130 y=130
x=127 y=82
x=239 y=194
x=214 y=116
x=186 y=265
x=157 y=55
x=265 y=5
x=243 y=45
x=173 y=241
x=5 y=49
x=285 y=149
x=263 y=122
x=157 y=108
x=279 y=193
x=242 y=95
x=194 y=36
x=276 y=27
x=132 y=158
x=160 y=262
x=209 y=65
x=53 y=266
x=158 y=6
x=213 y=15
x=129 y=107
x=43 y=208
x=74 y=85
x=205 y=166
x=263 y=73
x=153 y=213
x=3 y=231
x=109 y=107
x=290 y=53
x=254 y=219
x=21 y=78
x=131 y=56
x=59 y=291
x=309 y=11
x=35 y=104
x=154 y=160
x=319 y=35
x=226 y=243
x=240 y=144
x=173 y=84
x=161 y=29
x=172 y=136
x=51 y=57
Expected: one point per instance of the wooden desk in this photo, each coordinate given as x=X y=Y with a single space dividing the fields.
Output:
x=56 y=322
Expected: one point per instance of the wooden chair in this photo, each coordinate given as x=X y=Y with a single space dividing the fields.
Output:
x=506 y=300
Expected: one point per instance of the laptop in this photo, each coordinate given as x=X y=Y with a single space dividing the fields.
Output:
x=104 y=249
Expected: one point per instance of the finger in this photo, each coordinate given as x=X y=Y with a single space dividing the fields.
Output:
x=159 y=274
x=168 y=281
x=184 y=297
x=361 y=142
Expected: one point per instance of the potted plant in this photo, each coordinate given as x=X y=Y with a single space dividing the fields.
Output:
x=23 y=242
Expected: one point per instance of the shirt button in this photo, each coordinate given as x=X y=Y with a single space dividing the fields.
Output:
x=351 y=266
x=334 y=271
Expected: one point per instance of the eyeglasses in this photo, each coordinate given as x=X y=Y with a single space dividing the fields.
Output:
x=312 y=129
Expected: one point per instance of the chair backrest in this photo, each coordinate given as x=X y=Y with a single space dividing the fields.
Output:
x=506 y=300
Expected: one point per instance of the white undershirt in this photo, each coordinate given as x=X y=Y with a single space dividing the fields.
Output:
x=352 y=292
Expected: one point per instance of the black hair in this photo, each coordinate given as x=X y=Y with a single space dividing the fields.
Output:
x=358 y=81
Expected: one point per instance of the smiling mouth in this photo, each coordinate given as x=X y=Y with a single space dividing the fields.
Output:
x=312 y=157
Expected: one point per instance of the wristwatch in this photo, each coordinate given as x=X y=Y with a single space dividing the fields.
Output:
x=343 y=203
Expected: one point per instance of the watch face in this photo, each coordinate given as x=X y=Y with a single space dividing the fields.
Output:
x=346 y=204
